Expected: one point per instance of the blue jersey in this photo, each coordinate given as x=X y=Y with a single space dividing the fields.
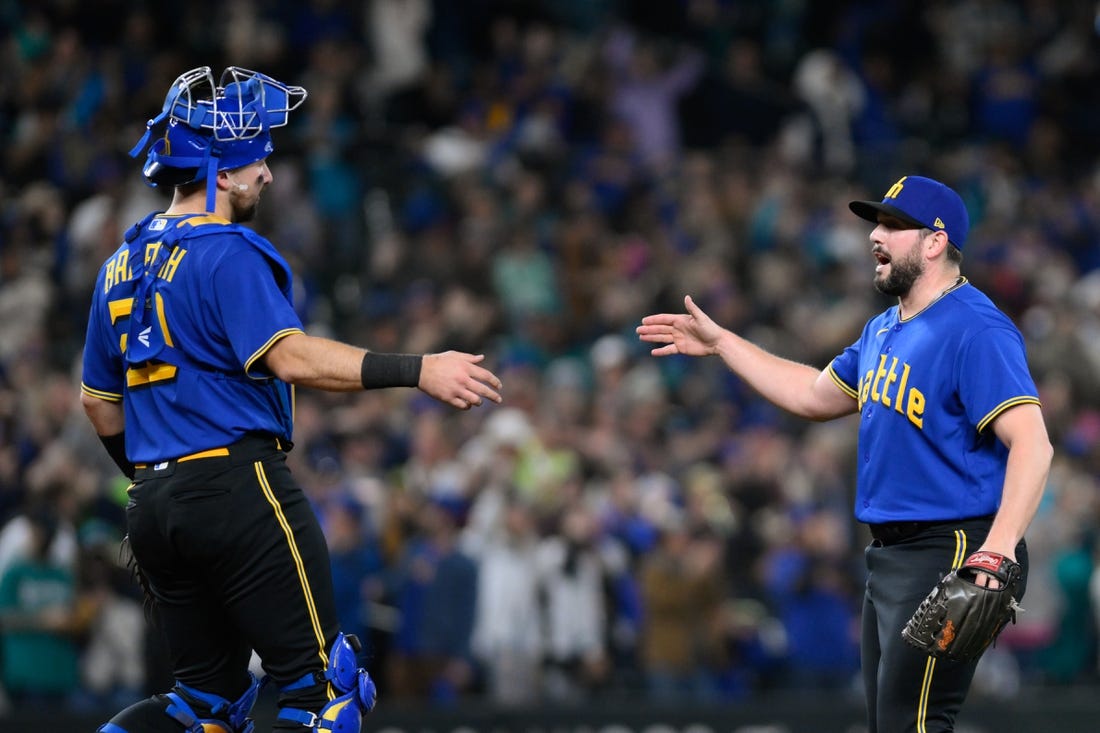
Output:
x=928 y=387
x=181 y=315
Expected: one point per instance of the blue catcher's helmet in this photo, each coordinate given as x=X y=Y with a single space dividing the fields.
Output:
x=206 y=127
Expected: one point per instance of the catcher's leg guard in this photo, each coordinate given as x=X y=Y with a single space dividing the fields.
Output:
x=189 y=710
x=345 y=713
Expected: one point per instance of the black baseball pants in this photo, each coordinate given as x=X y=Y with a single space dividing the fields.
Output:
x=235 y=560
x=908 y=691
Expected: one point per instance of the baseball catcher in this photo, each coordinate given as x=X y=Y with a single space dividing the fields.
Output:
x=193 y=351
x=960 y=617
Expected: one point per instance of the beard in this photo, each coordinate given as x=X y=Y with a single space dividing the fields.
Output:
x=242 y=214
x=903 y=273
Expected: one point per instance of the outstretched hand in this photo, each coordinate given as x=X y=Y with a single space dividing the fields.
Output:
x=455 y=378
x=692 y=333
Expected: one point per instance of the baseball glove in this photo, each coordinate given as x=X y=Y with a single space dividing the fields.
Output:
x=959 y=618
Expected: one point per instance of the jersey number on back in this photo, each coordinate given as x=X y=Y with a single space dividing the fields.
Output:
x=151 y=372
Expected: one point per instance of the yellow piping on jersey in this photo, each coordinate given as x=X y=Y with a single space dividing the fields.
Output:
x=267 y=345
x=840 y=383
x=199 y=219
x=1013 y=402
x=100 y=394
x=958 y=284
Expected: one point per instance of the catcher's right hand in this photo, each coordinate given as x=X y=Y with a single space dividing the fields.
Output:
x=960 y=618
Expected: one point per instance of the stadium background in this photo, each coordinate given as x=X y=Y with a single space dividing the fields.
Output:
x=527 y=179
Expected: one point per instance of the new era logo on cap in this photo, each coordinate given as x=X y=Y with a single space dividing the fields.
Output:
x=921 y=202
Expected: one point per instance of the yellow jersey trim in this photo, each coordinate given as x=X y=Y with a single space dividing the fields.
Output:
x=958 y=284
x=1009 y=403
x=100 y=394
x=840 y=383
x=263 y=350
x=199 y=219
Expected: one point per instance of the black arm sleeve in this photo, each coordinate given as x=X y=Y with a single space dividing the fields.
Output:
x=116 y=448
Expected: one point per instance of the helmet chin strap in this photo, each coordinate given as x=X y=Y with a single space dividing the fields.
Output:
x=212 y=177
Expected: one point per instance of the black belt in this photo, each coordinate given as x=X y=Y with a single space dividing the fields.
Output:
x=889 y=533
x=250 y=447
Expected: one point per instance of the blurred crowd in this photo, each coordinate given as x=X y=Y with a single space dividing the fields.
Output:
x=527 y=179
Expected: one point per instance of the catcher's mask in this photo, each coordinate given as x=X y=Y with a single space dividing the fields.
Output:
x=206 y=127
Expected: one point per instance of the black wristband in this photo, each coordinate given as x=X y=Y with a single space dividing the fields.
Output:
x=116 y=449
x=390 y=370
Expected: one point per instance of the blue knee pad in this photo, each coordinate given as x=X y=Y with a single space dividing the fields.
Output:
x=175 y=707
x=345 y=713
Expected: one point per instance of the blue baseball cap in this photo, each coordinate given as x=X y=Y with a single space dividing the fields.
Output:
x=922 y=202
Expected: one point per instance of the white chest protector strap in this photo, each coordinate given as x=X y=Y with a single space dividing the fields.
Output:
x=345 y=713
